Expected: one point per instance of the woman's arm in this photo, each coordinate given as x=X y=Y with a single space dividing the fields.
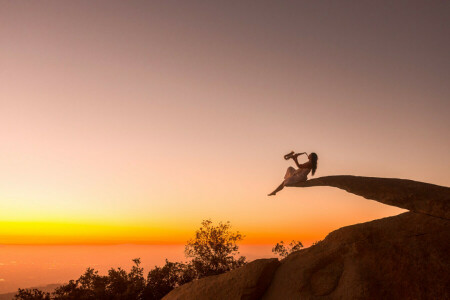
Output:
x=305 y=165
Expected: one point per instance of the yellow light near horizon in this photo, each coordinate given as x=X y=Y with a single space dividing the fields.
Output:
x=32 y=233
x=65 y=233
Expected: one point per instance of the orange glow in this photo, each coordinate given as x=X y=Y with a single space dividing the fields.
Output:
x=283 y=223
x=132 y=122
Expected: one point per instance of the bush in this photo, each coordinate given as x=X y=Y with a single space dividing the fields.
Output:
x=118 y=284
x=161 y=280
x=283 y=251
x=31 y=294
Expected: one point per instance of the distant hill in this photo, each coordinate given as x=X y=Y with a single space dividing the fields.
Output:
x=46 y=288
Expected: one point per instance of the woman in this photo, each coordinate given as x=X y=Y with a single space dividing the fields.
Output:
x=294 y=176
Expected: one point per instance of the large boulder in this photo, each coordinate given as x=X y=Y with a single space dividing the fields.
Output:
x=401 y=257
x=425 y=198
x=247 y=283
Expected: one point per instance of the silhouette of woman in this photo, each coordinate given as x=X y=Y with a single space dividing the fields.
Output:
x=294 y=176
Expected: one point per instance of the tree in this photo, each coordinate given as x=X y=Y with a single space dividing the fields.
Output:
x=214 y=249
x=161 y=280
x=31 y=294
x=283 y=251
x=118 y=284
x=89 y=286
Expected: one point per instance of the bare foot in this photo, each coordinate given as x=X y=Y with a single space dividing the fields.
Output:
x=272 y=194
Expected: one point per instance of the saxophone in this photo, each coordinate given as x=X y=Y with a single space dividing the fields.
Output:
x=292 y=154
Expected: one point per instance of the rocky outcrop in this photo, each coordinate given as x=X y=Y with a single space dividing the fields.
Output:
x=400 y=257
x=247 y=283
x=420 y=197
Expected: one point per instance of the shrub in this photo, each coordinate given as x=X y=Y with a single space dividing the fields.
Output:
x=283 y=251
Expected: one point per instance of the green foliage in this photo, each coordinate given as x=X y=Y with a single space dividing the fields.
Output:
x=212 y=251
x=214 y=248
x=283 y=251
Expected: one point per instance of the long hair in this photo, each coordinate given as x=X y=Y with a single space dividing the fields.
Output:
x=313 y=157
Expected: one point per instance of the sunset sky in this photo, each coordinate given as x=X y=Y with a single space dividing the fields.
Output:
x=132 y=121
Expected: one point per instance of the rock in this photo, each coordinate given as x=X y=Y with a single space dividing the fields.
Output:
x=247 y=283
x=425 y=198
x=401 y=257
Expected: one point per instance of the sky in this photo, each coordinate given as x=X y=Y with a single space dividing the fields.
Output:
x=133 y=121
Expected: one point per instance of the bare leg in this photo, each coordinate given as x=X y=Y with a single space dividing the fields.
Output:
x=279 y=188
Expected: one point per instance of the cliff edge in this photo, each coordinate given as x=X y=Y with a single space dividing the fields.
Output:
x=400 y=257
x=420 y=197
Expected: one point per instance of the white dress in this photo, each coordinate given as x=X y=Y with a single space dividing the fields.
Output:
x=294 y=176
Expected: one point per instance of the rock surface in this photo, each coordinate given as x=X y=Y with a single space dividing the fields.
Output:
x=401 y=257
x=425 y=198
x=247 y=283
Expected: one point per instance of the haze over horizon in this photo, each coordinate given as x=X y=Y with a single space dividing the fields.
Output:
x=131 y=122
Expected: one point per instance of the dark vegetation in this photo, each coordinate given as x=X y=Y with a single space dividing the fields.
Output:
x=213 y=250
x=283 y=250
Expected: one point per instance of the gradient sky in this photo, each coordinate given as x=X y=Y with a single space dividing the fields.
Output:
x=131 y=121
